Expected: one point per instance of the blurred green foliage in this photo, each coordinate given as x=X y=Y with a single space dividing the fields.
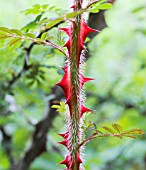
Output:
x=118 y=62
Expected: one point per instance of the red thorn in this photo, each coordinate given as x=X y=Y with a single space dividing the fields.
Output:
x=64 y=142
x=67 y=44
x=71 y=163
x=86 y=30
x=78 y=158
x=66 y=30
x=64 y=135
x=65 y=68
x=73 y=6
x=64 y=83
x=66 y=161
x=84 y=109
x=84 y=80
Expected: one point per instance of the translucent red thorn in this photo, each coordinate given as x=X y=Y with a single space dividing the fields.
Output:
x=66 y=30
x=67 y=45
x=64 y=135
x=84 y=109
x=73 y=6
x=86 y=30
x=66 y=161
x=78 y=158
x=65 y=82
x=64 y=142
x=84 y=80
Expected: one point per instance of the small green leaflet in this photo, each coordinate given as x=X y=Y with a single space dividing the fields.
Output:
x=17 y=32
x=5 y=30
x=30 y=35
x=101 y=5
x=52 y=22
x=105 y=6
x=108 y=129
x=44 y=36
x=60 y=108
x=118 y=131
x=17 y=35
x=3 y=36
x=134 y=131
x=37 y=9
x=117 y=127
x=14 y=41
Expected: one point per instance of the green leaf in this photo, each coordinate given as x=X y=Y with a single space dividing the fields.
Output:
x=53 y=22
x=138 y=9
x=44 y=36
x=30 y=35
x=45 y=6
x=6 y=30
x=3 y=36
x=119 y=136
x=117 y=127
x=55 y=106
x=60 y=108
x=14 y=41
x=73 y=14
x=108 y=129
x=129 y=136
x=62 y=104
x=105 y=6
x=100 y=6
x=100 y=132
x=32 y=25
x=94 y=10
x=34 y=10
x=18 y=32
x=38 y=40
x=134 y=131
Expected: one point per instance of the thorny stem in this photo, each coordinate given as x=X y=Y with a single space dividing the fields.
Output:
x=72 y=83
x=75 y=82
